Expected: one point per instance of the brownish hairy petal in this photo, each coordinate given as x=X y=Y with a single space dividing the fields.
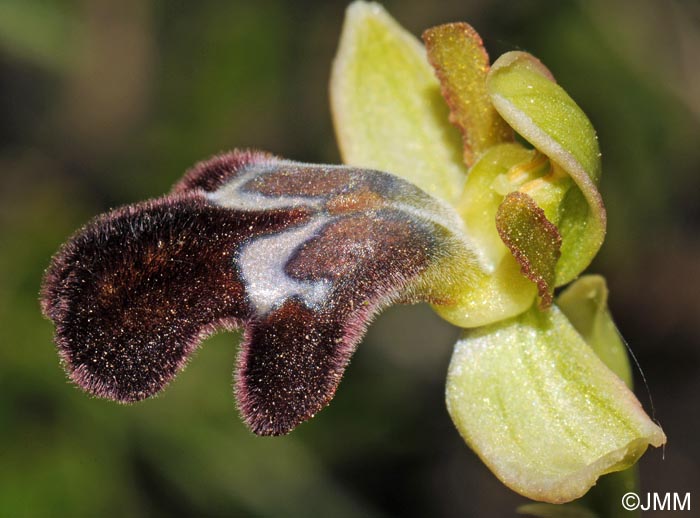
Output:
x=301 y=256
x=457 y=54
x=532 y=239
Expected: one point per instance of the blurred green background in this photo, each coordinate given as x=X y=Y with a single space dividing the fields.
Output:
x=105 y=102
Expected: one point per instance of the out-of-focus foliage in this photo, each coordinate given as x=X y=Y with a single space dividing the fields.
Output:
x=105 y=103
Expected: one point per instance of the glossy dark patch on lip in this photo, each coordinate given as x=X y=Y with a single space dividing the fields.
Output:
x=135 y=291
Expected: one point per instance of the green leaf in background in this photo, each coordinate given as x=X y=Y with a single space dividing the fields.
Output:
x=540 y=408
x=525 y=94
x=44 y=33
x=387 y=109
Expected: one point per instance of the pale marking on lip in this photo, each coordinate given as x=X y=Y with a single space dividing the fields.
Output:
x=232 y=196
x=262 y=262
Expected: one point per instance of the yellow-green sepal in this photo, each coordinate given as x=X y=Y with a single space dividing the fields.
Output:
x=525 y=94
x=387 y=109
x=539 y=407
x=585 y=304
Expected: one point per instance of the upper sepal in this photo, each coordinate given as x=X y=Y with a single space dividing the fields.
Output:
x=387 y=110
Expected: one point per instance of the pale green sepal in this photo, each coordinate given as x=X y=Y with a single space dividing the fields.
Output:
x=387 y=108
x=524 y=93
x=541 y=409
x=585 y=304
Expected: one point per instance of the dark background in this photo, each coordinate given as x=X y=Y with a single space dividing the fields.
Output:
x=104 y=103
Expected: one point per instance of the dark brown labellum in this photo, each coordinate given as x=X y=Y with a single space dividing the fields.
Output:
x=299 y=255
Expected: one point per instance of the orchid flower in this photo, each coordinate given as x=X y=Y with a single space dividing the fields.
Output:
x=302 y=256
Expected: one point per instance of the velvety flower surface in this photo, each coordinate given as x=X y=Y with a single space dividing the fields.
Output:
x=302 y=256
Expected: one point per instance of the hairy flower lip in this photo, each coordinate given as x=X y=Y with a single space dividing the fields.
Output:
x=300 y=255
